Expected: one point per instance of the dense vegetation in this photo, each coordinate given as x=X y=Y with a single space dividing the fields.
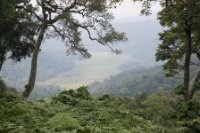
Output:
x=79 y=112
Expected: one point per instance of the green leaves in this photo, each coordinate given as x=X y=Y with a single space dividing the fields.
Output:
x=171 y=50
x=16 y=31
x=62 y=122
x=188 y=110
x=107 y=114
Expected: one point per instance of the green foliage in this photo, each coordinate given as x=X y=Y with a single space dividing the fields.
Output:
x=192 y=126
x=62 y=122
x=83 y=93
x=188 y=114
x=73 y=97
x=180 y=90
x=189 y=109
x=173 y=45
x=157 y=108
x=16 y=31
x=75 y=111
x=66 y=99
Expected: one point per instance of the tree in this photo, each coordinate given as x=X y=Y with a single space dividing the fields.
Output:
x=65 y=20
x=180 y=40
x=16 y=31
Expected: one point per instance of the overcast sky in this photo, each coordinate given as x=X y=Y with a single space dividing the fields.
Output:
x=129 y=9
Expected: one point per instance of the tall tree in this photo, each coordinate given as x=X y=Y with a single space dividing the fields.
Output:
x=66 y=19
x=180 y=40
x=16 y=31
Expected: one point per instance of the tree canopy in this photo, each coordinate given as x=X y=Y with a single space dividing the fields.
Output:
x=16 y=31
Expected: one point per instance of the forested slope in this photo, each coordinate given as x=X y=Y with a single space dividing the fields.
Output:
x=130 y=83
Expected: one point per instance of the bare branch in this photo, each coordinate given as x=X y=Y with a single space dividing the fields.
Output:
x=57 y=31
x=96 y=39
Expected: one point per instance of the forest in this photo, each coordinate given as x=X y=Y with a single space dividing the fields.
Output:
x=157 y=99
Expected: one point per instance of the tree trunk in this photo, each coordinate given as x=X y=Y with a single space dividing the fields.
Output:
x=187 y=65
x=188 y=31
x=32 y=77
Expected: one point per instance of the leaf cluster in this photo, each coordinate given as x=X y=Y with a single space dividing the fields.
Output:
x=16 y=31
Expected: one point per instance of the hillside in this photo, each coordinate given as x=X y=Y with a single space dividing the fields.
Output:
x=132 y=82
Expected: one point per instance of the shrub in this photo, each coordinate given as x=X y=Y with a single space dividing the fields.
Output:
x=66 y=99
x=83 y=93
x=72 y=97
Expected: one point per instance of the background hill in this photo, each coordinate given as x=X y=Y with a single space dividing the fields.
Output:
x=132 y=82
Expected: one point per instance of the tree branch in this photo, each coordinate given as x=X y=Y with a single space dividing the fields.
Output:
x=57 y=31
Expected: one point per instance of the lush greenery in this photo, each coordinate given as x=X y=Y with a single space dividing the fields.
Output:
x=79 y=112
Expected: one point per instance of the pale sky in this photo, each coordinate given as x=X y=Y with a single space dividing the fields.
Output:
x=132 y=9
